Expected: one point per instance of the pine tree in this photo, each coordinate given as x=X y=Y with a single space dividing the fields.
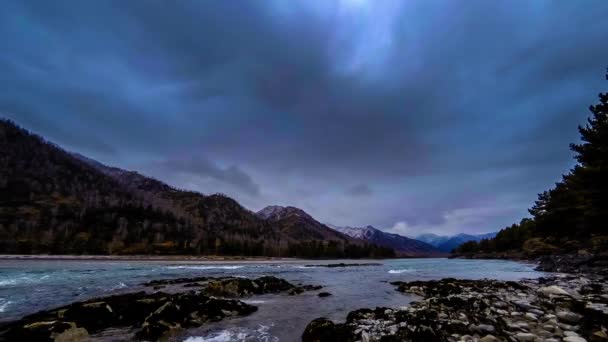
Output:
x=592 y=172
x=578 y=205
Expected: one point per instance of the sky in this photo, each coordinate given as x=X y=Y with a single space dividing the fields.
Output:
x=411 y=116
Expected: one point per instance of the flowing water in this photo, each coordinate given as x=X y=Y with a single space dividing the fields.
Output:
x=27 y=286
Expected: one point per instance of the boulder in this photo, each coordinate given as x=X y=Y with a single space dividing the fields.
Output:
x=324 y=330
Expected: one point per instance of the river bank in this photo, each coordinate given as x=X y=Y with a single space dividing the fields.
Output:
x=581 y=262
x=570 y=308
x=176 y=258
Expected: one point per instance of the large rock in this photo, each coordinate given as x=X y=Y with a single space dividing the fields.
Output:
x=324 y=330
x=156 y=314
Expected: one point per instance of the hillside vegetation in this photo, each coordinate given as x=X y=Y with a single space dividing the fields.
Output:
x=53 y=201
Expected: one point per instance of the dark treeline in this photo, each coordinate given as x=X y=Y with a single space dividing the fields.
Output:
x=573 y=214
x=52 y=201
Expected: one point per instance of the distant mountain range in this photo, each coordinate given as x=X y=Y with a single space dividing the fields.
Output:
x=402 y=245
x=53 y=201
x=448 y=243
x=57 y=202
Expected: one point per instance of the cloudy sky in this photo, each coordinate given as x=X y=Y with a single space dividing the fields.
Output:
x=412 y=116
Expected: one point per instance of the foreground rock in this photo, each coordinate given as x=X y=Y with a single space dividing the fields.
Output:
x=565 y=308
x=150 y=316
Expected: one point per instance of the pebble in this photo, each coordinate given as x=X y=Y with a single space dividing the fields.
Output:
x=525 y=337
x=574 y=339
x=553 y=290
x=568 y=317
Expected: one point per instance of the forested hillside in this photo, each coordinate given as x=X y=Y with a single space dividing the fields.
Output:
x=52 y=201
x=571 y=216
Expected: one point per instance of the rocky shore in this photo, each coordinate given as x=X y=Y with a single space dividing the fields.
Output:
x=560 y=308
x=583 y=263
x=149 y=315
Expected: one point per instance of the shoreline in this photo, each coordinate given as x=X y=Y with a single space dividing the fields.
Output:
x=185 y=258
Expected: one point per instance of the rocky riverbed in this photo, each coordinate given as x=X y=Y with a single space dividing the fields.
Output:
x=151 y=314
x=560 y=308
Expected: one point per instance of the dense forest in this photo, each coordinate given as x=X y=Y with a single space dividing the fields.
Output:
x=53 y=201
x=572 y=215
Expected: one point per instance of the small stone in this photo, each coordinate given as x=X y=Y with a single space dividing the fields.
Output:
x=568 y=326
x=537 y=312
x=553 y=290
x=548 y=317
x=569 y=317
x=599 y=336
x=486 y=328
x=488 y=338
x=574 y=339
x=531 y=316
x=570 y=333
x=549 y=327
x=525 y=337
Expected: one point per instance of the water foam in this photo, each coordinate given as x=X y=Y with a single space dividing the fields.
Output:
x=190 y=267
x=118 y=286
x=237 y=334
x=400 y=271
x=4 y=304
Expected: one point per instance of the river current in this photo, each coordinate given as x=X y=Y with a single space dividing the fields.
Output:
x=27 y=286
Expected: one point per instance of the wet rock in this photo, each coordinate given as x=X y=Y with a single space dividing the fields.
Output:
x=574 y=339
x=242 y=287
x=525 y=337
x=163 y=282
x=488 y=338
x=568 y=317
x=324 y=294
x=324 y=330
x=599 y=336
x=471 y=310
x=553 y=290
x=72 y=334
x=575 y=263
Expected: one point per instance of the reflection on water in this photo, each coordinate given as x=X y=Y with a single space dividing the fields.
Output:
x=29 y=286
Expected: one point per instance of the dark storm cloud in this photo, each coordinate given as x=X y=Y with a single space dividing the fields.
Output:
x=445 y=109
x=360 y=190
x=197 y=167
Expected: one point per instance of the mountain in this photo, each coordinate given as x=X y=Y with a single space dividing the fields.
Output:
x=432 y=239
x=54 y=201
x=448 y=243
x=402 y=245
x=296 y=222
